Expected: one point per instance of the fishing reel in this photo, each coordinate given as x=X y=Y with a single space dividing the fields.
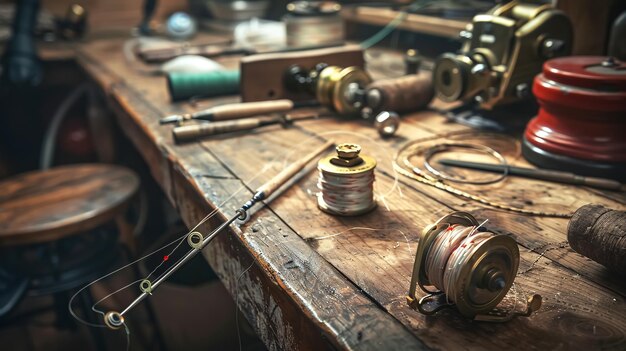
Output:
x=341 y=89
x=459 y=265
x=503 y=51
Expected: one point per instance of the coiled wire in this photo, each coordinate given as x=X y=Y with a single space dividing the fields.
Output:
x=346 y=194
x=448 y=253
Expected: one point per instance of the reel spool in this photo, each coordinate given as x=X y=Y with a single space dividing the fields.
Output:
x=346 y=182
x=470 y=269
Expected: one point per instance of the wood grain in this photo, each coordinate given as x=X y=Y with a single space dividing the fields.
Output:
x=309 y=270
x=48 y=205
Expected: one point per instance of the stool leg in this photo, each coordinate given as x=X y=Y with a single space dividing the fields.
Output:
x=87 y=302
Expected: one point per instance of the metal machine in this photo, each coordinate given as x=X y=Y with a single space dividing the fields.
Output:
x=503 y=50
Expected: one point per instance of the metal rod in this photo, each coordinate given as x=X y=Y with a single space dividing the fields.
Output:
x=191 y=254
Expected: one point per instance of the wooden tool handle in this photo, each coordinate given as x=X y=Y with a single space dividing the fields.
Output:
x=248 y=109
x=602 y=183
x=194 y=131
x=268 y=188
x=404 y=94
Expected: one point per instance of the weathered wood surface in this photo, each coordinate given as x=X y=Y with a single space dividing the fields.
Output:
x=48 y=205
x=350 y=285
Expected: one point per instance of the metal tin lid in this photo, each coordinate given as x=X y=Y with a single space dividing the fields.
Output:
x=591 y=72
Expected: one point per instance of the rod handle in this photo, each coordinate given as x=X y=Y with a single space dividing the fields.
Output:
x=248 y=109
x=281 y=178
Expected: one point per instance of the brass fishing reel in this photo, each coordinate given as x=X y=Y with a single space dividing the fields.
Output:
x=341 y=89
x=503 y=50
x=459 y=265
x=330 y=85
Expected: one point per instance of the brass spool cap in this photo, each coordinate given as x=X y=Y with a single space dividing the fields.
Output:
x=342 y=80
x=323 y=90
x=327 y=165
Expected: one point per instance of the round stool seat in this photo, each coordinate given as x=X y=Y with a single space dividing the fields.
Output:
x=43 y=206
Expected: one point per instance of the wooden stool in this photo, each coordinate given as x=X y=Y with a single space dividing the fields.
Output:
x=58 y=216
x=43 y=206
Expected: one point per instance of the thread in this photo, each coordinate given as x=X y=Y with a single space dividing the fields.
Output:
x=403 y=165
x=599 y=233
x=186 y=85
x=405 y=94
x=446 y=256
x=346 y=182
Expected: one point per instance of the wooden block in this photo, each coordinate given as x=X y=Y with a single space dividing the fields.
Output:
x=262 y=75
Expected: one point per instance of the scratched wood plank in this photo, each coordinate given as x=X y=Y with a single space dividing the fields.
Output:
x=380 y=262
x=248 y=150
x=516 y=191
x=287 y=281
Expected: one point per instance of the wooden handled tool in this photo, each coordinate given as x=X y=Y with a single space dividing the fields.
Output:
x=194 y=131
x=553 y=176
x=404 y=94
x=233 y=111
x=115 y=320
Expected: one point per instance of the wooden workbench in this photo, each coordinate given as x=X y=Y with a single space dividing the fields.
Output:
x=302 y=287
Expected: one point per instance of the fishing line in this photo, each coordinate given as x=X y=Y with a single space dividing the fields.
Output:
x=404 y=166
x=179 y=240
x=469 y=268
x=393 y=24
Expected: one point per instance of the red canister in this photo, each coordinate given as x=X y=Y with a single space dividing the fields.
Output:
x=581 y=124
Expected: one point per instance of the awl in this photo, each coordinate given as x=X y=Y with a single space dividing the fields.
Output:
x=236 y=111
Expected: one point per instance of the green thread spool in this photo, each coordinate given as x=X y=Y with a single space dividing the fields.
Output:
x=185 y=85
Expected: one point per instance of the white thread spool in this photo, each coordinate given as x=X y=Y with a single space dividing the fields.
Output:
x=346 y=182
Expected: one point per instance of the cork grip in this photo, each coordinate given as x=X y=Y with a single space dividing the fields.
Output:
x=194 y=131
x=268 y=188
x=404 y=94
x=248 y=109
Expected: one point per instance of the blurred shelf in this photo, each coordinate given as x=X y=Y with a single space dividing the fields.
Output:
x=443 y=27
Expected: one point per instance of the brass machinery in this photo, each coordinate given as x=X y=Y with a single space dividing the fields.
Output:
x=472 y=271
x=337 y=88
x=502 y=52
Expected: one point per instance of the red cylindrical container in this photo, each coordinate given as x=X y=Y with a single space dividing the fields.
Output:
x=581 y=124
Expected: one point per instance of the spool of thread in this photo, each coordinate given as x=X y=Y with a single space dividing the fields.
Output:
x=409 y=93
x=599 y=233
x=313 y=23
x=346 y=182
x=185 y=85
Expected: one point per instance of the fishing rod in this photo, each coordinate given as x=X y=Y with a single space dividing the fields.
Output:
x=115 y=319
